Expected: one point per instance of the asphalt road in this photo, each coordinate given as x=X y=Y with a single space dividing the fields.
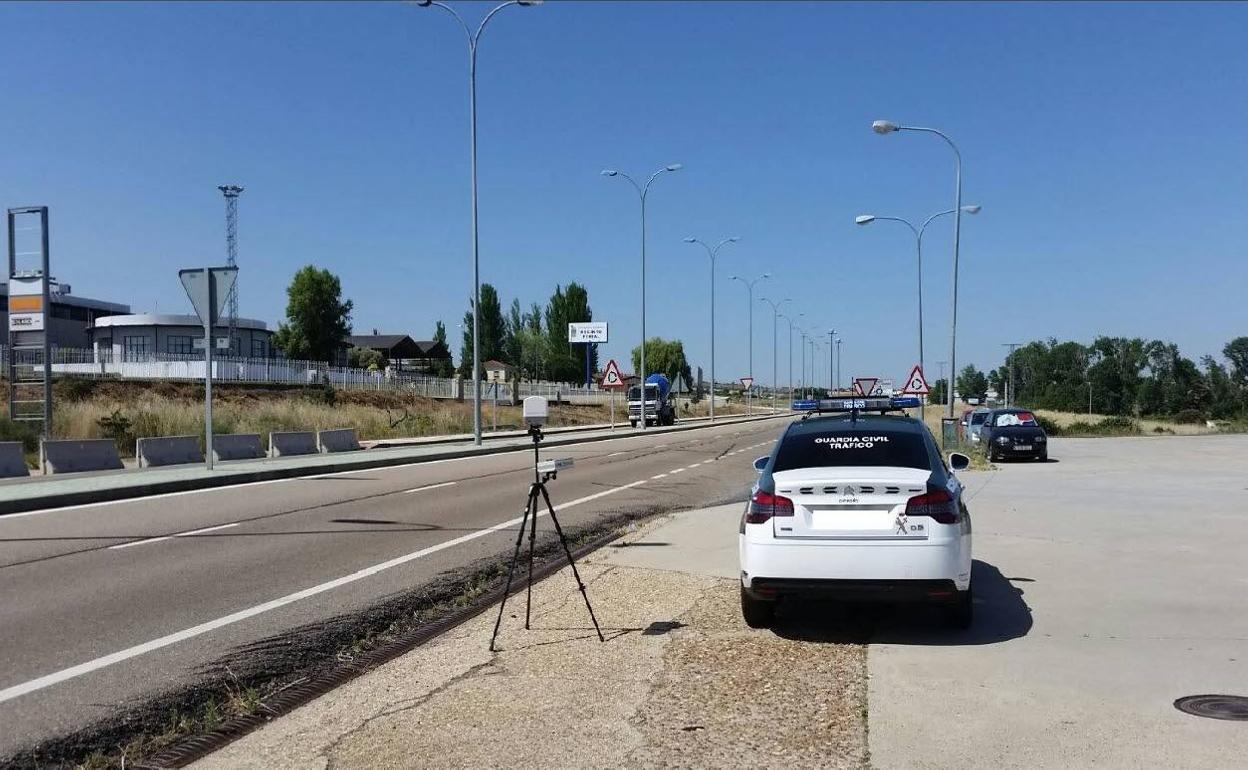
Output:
x=105 y=604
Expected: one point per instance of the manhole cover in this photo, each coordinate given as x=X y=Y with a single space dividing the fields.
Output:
x=1234 y=707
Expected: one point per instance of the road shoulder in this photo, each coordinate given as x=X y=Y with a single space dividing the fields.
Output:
x=680 y=681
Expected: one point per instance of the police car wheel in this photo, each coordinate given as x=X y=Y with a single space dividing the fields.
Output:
x=758 y=613
x=961 y=613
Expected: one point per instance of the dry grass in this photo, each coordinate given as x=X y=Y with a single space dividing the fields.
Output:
x=1148 y=426
x=177 y=409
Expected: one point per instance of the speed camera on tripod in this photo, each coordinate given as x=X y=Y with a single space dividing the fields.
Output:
x=552 y=467
x=536 y=411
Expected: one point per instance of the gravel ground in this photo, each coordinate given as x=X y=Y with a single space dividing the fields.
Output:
x=681 y=682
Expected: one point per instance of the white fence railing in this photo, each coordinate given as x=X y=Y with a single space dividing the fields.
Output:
x=72 y=362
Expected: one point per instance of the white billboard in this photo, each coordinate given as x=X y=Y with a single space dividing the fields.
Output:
x=587 y=332
x=26 y=304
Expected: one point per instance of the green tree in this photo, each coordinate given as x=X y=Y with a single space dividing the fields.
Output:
x=492 y=331
x=972 y=383
x=939 y=392
x=318 y=320
x=1236 y=351
x=567 y=360
x=664 y=357
x=365 y=358
x=444 y=367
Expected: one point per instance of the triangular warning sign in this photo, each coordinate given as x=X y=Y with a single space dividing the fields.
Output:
x=748 y=382
x=864 y=386
x=611 y=377
x=916 y=385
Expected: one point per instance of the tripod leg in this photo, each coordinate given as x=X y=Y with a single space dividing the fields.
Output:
x=530 y=509
x=567 y=550
x=528 y=599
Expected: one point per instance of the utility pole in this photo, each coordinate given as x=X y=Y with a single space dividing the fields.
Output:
x=231 y=193
x=1009 y=358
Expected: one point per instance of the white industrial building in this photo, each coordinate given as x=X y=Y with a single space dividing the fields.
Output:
x=141 y=335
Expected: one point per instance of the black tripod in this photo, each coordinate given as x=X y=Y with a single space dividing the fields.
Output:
x=529 y=520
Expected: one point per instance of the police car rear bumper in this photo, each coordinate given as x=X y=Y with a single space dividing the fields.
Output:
x=819 y=562
x=855 y=590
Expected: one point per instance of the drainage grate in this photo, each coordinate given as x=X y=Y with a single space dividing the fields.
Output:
x=1232 y=707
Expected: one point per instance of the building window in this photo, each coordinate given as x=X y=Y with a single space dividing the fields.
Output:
x=257 y=348
x=180 y=345
x=135 y=347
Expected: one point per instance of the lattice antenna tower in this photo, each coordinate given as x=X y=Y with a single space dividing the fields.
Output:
x=231 y=193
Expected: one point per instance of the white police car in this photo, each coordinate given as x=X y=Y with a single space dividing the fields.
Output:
x=856 y=504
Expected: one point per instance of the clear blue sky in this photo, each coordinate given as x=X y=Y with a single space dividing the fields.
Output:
x=1106 y=143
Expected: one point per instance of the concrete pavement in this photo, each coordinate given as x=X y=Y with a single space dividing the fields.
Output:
x=108 y=604
x=1109 y=583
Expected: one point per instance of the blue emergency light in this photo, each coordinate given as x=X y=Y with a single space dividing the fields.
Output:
x=841 y=405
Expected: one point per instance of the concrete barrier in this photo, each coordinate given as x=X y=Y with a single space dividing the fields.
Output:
x=168 y=450
x=285 y=444
x=64 y=456
x=12 y=460
x=341 y=440
x=237 y=446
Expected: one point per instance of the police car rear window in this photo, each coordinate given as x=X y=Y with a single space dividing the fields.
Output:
x=855 y=448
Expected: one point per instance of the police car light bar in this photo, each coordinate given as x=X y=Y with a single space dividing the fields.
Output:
x=855 y=404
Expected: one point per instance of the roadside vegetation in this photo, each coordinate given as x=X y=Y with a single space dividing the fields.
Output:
x=1147 y=382
x=128 y=410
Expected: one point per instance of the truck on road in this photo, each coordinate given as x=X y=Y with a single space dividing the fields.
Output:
x=659 y=404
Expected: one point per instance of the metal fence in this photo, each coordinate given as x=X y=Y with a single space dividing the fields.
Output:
x=75 y=362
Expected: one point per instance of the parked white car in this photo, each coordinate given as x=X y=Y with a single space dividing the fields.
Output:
x=856 y=506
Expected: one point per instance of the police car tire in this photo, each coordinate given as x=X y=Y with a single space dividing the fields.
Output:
x=961 y=613
x=758 y=613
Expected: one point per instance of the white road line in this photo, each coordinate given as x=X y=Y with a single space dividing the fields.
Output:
x=18 y=690
x=431 y=486
x=678 y=470
x=170 y=537
x=695 y=465
x=613 y=454
x=659 y=476
x=660 y=446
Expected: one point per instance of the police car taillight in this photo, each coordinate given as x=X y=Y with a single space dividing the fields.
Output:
x=937 y=504
x=765 y=505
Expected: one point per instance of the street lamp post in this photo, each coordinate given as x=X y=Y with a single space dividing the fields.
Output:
x=838 y=363
x=775 y=315
x=802 y=381
x=642 y=192
x=473 y=40
x=749 y=286
x=866 y=219
x=1011 y=394
x=831 y=365
x=712 y=252
x=885 y=127
x=790 y=378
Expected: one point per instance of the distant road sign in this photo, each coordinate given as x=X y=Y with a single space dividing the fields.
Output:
x=865 y=386
x=611 y=377
x=208 y=288
x=916 y=384
x=587 y=332
x=747 y=382
x=222 y=343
